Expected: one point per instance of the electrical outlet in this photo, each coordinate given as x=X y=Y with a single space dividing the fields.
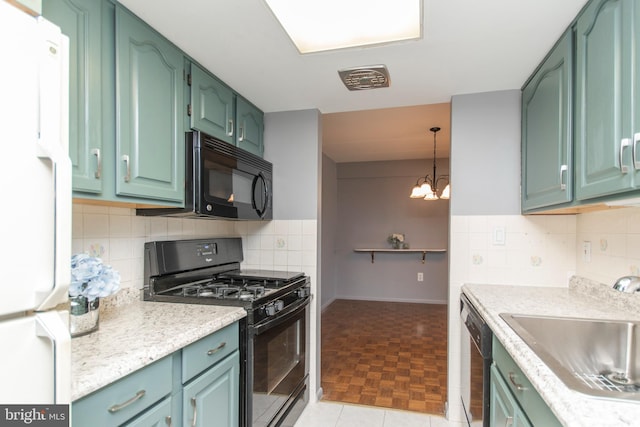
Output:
x=420 y=277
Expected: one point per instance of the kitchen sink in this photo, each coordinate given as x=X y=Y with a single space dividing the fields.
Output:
x=600 y=358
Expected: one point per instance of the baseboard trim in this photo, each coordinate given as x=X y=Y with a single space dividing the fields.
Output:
x=418 y=301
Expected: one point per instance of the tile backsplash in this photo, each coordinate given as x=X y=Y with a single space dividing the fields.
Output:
x=614 y=238
x=117 y=236
x=513 y=249
x=545 y=249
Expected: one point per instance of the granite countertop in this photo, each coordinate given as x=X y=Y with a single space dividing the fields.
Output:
x=581 y=299
x=136 y=334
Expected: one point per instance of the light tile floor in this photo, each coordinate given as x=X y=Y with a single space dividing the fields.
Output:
x=328 y=414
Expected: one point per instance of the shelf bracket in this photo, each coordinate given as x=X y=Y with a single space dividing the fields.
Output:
x=424 y=256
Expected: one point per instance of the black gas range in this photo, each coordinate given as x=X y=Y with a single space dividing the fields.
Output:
x=274 y=335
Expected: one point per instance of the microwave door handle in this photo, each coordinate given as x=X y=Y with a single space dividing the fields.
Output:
x=262 y=209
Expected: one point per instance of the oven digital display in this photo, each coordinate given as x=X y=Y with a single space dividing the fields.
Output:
x=207 y=249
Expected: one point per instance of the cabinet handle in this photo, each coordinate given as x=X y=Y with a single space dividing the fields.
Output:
x=230 y=127
x=96 y=152
x=563 y=172
x=217 y=349
x=241 y=134
x=508 y=422
x=168 y=421
x=139 y=395
x=125 y=159
x=518 y=386
x=624 y=143
x=636 y=139
x=195 y=411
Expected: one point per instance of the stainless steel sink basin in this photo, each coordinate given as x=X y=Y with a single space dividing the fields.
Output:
x=600 y=358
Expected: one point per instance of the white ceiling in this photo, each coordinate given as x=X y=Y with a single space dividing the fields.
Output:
x=468 y=46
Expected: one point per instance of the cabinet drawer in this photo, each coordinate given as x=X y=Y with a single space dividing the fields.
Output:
x=209 y=350
x=150 y=383
x=526 y=395
x=157 y=416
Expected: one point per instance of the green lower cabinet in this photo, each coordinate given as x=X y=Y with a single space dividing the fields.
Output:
x=516 y=400
x=212 y=398
x=159 y=415
x=128 y=399
x=505 y=411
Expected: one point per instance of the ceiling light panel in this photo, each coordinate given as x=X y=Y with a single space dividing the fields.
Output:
x=320 y=25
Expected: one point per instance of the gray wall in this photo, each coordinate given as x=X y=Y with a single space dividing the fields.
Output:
x=373 y=202
x=328 y=226
x=485 y=153
x=293 y=141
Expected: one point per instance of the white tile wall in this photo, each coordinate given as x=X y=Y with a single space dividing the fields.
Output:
x=615 y=244
x=117 y=236
x=537 y=250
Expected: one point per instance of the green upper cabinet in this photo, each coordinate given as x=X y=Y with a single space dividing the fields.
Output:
x=216 y=110
x=87 y=24
x=211 y=109
x=607 y=43
x=546 y=130
x=249 y=127
x=149 y=134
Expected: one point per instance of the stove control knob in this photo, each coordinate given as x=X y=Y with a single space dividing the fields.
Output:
x=209 y=208
x=270 y=310
x=303 y=292
x=279 y=305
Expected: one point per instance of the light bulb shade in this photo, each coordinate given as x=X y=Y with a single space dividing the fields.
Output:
x=446 y=193
x=417 y=193
x=431 y=196
x=426 y=188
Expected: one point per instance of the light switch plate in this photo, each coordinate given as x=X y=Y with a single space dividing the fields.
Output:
x=499 y=236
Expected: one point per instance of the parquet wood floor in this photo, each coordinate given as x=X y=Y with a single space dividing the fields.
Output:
x=386 y=354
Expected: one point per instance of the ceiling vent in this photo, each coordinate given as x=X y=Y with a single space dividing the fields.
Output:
x=361 y=78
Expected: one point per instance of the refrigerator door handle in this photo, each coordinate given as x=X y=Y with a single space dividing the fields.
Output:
x=50 y=325
x=53 y=144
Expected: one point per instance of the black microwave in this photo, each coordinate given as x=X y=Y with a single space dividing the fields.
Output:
x=222 y=181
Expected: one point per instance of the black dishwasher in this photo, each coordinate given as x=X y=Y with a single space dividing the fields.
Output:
x=476 y=337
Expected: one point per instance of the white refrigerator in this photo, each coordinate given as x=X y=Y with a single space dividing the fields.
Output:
x=35 y=212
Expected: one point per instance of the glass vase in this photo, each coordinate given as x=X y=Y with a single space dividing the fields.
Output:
x=84 y=315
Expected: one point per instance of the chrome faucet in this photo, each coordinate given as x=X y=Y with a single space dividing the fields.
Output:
x=628 y=284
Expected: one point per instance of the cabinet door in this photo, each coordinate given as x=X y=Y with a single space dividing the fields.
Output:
x=546 y=131
x=603 y=97
x=150 y=137
x=158 y=416
x=212 y=399
x=211 y=105
x=504 y=410
x=250 y=127
x=81 y=21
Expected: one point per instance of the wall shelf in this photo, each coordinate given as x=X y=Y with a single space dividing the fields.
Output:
x=424 y=252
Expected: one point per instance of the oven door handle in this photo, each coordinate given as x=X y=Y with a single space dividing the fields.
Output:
x=282 y=317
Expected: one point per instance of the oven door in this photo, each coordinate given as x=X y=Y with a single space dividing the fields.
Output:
x=279 y=378
x=233 y=184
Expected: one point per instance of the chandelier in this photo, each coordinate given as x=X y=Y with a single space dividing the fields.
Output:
x=429 y=188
